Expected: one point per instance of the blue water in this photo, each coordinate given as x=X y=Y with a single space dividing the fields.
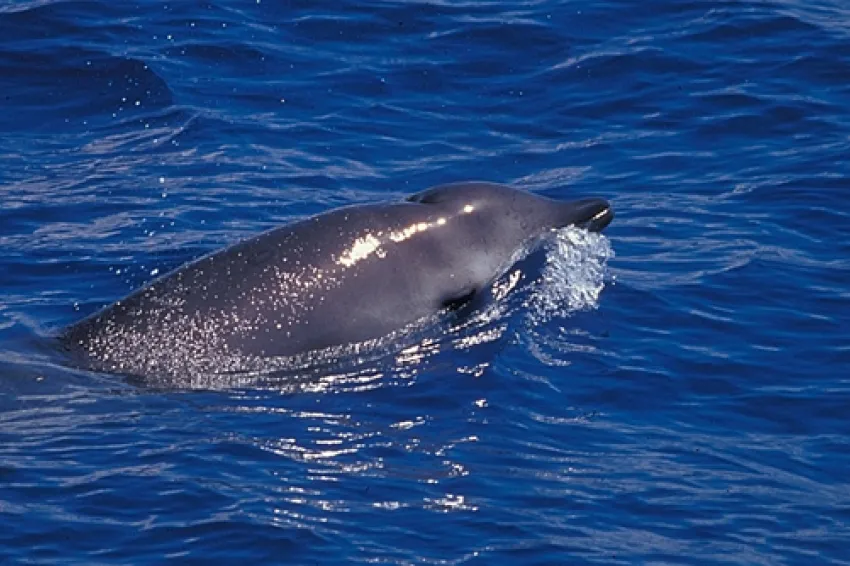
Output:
x=695 y=411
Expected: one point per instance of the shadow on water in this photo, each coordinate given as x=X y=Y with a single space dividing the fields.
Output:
x=77 y=77
x=76 y=82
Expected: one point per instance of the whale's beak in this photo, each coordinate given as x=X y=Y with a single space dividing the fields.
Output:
x=592 y=214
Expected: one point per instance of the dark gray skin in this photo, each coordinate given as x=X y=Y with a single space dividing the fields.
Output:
x=345 y=276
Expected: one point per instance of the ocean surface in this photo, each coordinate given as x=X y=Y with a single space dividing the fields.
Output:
x=675 y=391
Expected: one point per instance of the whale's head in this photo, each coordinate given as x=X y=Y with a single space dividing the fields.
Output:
x=482 y=227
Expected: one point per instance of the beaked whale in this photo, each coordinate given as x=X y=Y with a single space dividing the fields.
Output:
x=345 y=276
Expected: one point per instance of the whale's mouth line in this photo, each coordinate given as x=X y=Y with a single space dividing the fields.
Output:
x=599 y=215
x=591 y=214
x=598 y=221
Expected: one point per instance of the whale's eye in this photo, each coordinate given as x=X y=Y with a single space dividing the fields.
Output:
x=434 y=195
x=428 y=197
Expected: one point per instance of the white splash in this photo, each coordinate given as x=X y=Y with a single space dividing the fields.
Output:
x=573 y=276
